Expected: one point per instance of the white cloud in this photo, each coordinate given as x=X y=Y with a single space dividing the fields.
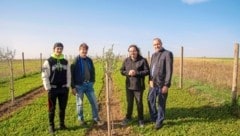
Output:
x=191 y=2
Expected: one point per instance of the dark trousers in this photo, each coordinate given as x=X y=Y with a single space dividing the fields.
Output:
x=62 y=95
x=130 y=99
x=157 y=114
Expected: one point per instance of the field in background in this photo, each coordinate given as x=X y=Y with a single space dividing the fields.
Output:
x=214 y=71
x=32 y=66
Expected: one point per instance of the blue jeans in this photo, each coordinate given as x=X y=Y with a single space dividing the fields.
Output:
x=86 y=88
x=157 y=114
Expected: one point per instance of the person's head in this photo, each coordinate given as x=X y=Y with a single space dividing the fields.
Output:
x=83 y=50
x=58 y=48
x=134 y=51
x=157 y=44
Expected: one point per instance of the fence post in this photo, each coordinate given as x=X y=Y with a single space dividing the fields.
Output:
x=181 y=69
x=23 y=64
x=235 y=74
x=148 y=58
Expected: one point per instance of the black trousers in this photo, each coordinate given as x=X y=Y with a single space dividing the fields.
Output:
x=62 y=95
x=137 y=94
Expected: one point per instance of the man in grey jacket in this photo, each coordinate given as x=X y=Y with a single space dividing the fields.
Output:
x=161 y=68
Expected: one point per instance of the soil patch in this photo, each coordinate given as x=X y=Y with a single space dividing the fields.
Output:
x=116 y=117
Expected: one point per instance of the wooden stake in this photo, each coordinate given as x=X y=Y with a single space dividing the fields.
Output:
x=235 y=74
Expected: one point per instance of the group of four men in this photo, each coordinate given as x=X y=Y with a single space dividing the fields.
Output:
x=58 y=76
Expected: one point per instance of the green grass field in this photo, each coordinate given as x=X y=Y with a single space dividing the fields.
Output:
x=197 y=109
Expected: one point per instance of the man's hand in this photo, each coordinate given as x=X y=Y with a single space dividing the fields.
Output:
x=132 y=73
x=164 y=89
x=74 y=91
x=151 y=84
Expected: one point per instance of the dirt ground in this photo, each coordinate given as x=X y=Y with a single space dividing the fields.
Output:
x=116 y=117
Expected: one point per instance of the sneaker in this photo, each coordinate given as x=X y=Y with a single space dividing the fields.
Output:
x=141 y=123
x=82 y=123
x=158 y=126
x=125 y=122
x=62 y=127
x=98 y=122
x=51 y=129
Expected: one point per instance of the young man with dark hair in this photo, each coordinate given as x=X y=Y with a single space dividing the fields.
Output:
x=56 y=78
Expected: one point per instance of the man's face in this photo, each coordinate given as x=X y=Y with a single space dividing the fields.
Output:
x=58 y=51
x=133 y=52
x=83 y=52
x=157 y=45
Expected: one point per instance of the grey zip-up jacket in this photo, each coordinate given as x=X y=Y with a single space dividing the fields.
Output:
x=161 y=68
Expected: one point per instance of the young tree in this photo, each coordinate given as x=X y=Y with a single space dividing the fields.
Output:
x=9 y=55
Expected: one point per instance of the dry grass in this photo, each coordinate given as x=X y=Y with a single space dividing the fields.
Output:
x=217 y=72
x=31 y=66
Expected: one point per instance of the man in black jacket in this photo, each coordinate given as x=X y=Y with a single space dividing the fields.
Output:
x=135 y=68
x=160 y=80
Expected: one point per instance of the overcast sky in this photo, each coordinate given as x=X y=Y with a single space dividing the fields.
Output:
x=203 y=27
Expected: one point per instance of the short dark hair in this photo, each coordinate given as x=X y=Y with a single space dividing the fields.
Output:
x=83 y=45
x=57 y=44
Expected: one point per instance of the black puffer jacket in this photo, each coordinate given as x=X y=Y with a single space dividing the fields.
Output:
x=140 y=65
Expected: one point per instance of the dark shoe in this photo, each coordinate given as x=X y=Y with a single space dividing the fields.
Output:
x=125 y=122
x=98 y=122
x=82 y=123
x=62 y=127
x=51 y=129
x=158 y=126
x=141 y=123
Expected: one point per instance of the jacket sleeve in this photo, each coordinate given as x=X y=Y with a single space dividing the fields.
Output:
x=145 y=70
x=123 y=70
x=46 y=75
x=169 y=69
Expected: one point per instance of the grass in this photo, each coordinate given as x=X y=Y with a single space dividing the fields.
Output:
x=21 y=86
x=31 y=66
x=33 y=119
x=197 y=109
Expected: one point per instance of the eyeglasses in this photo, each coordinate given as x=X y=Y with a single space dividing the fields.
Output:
x=132 y=51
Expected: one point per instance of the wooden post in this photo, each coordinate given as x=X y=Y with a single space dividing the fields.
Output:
x=235 y=74
x=11 y=79
x=41 y=62
x=181 y=69
x=107 y=103
x=23 y=64
x=148 y=58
